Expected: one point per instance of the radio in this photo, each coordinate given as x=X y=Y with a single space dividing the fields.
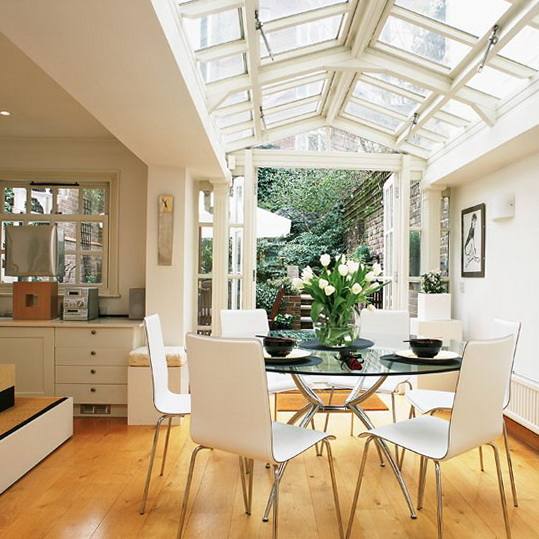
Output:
x=81 y=304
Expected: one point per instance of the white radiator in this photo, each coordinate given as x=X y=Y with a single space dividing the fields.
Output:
x=524 y=405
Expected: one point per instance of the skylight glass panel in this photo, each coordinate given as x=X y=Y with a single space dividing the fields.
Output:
x=234 y=99
x=213 y=29
x=475 y=17
x=276 y=9
x=384 y=98
x=494 y=82
x=524 y=47
x=461 y=110
x=292 y=94
x=373 y=116
x=301 y=35
x=292 y=112
x=395 y=81
x=442 y=128
x=422 y=142
x=422 y=42
x=238 y=135
x=233 y=119
x=222 y=68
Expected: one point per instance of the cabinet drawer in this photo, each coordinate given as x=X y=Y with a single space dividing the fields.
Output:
x=91 y=356
x=94 y=393
x=95 y=337
x=91 y=375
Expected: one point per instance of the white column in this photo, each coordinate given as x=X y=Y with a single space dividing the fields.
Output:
x=166 y=285
x=249 y=232
x=220 y=251
x=431 y=198
x=402 y=234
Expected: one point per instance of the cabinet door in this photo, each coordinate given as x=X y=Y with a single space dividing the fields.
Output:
x=31 y=350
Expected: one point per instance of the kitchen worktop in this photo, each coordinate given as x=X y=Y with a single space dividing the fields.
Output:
x=105 y=321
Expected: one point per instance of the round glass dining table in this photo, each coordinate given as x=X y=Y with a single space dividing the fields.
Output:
x=377 y=364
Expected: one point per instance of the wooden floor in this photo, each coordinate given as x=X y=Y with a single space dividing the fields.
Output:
x=91 y=487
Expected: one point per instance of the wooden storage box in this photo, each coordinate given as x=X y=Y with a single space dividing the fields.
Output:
x=35 y=301
x=7 y=387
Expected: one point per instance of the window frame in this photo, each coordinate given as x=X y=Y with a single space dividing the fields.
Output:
x=86 y=179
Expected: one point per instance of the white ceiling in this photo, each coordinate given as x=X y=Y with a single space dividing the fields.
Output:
x=39 y=106
x=117 y=60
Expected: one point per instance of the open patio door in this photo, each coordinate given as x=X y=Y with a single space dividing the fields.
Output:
x=396 y=194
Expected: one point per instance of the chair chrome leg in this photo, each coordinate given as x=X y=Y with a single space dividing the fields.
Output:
x=275 y=407
x=150 y=465
x=334 y=486
x=320 y=448
x=502 y=491
x=510 y=465
x=251 y=463
x=394 y=416
x=352 y=424
x=187 y=489
x=243 y=473
x=166 y=446
x=276 y=481
x=481 y=459
x=358 y=486
x=422 y=479
x=439 y=506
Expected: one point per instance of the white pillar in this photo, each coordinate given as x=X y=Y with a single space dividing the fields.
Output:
x=431 y=198
x=167 y=287
x=249 y=232
x=402 y=235
x=220 y=251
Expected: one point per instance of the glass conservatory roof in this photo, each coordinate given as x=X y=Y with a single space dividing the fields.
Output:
x=409 y=75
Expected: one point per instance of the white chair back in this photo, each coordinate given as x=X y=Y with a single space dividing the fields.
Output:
x=502 y=328
x=158 y=360
x=477 y=414
x=385 y=327
x=244 y=323
x=230 y=407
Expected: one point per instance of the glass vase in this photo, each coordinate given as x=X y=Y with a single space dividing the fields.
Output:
x=335 y=335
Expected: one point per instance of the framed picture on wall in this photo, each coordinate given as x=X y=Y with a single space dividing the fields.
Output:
x=472 y=252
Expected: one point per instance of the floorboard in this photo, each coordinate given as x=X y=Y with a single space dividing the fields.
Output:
x=91 y=488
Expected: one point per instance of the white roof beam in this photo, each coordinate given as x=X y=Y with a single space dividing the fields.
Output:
x=293 y=104
x=232 y=48
x=203 y=8
x=253 y=61
x=218 y=91
x=511 y=68
x=234 y=109
x=242 y=126
x=451 y=119
x=305 y=17
x=489 y=116
x=365 y=20
x=378 y=108
x=403 y=92
x=294 y=83
x=361 y=129
x=434 y=26
x=294 y=120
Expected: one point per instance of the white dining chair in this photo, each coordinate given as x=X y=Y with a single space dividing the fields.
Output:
x=428 y=401
x=231 y=412
x=248 y=323
x=476 y=420
x=167 y=403
x=387 y=329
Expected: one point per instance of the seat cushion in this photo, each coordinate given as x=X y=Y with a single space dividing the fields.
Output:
x=279 y=382
x=289 y=440
x=427 y=400
x=425 y=435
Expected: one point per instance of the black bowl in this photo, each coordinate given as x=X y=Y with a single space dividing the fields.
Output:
x=425 y=347
x=278 y=346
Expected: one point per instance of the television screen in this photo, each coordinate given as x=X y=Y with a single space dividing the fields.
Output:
x=34 y=251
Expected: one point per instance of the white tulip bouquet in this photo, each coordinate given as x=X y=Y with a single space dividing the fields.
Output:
x=336 y=292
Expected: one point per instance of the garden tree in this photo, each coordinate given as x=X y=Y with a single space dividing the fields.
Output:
x=313 y=200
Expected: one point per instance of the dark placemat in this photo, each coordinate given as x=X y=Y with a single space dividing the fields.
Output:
x=314 y=344
x=310 y=361
x=423 y=361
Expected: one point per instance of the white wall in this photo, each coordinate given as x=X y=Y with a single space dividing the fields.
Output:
x=89 y=155
x=510 y=288
x=169 y=289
